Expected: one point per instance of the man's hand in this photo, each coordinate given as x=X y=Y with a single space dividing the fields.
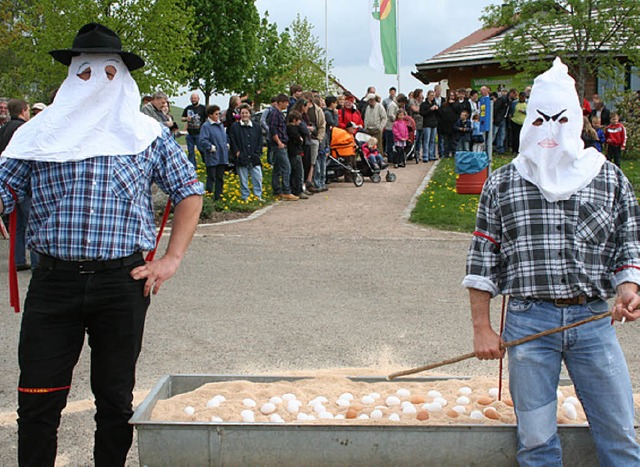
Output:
x=155 y=273
x=627 y=303
x=486 y=344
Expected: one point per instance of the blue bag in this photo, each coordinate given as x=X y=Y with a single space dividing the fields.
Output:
x=468 y=162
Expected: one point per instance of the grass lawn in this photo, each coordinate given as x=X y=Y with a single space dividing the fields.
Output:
x=442 y=208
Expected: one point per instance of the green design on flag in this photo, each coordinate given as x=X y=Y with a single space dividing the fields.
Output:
x=384 y=54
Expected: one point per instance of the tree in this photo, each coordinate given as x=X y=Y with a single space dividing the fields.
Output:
x=158 y=30
x=307 y=67
x=227 y=43
x=591 y=36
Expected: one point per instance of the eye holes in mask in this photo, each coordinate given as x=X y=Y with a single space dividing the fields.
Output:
x=110 y=71
x=556 y=118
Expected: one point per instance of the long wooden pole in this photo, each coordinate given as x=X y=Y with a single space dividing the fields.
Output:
x=513 y=343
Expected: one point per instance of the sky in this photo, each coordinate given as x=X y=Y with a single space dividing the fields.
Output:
x=426 y=27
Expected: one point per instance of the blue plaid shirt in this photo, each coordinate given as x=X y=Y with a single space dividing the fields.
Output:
x=98 y=208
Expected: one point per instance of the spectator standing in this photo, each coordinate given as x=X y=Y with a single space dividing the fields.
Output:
x=331 y=121
x=195 y=115
x=463 y=131
x=281 y=174
x=500 y=111
x=264 y=119
x=37 y=108
x=375 y=118
x=461 y=103
x=232 y=114
x=302 y=106
x=245 y=139
x=601 y=111
x=513 y=100
x=447 y=117
x=589 y=136
x=349 y=113
x=595 y=122
x=517 y=120
x=400 y=138
x=91 y=277
x=315 y=114
x=413 y=110
x=213 y=145
x=616 y=138
x=387 y=135
x=362 y=104
x=295 y=148
x=154 y=108
x=473 y=103
x=4 y=112
x=390 y=98
x=477 y=137
x=429 y=111
x=295 y=92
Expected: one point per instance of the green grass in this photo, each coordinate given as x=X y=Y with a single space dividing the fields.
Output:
x=442 y=208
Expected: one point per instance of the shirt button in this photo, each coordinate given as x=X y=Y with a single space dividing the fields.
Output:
x=92 y=211
x=564 y=281
x=559 y=253
x=558 y=227
x=95 y=183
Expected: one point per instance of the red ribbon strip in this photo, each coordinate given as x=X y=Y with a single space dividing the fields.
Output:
x=165 y=218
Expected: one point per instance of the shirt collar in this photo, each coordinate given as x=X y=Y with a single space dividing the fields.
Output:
x=249 y=123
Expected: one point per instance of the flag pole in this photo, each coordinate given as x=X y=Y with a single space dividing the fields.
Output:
x=398 y=42
x=326 y=47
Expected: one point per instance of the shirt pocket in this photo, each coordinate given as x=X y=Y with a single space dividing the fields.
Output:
x=126 y=178
x=594 y=224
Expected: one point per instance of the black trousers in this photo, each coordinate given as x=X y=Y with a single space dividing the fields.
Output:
x=296 y=174
x=60 y=307
x=215 y=175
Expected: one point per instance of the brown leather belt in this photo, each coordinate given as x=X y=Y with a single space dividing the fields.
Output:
x=87 y=266
x=561 y=302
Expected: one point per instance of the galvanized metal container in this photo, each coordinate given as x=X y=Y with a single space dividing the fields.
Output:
x=166 y=443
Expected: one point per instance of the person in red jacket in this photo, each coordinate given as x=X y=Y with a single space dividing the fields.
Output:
x=616 y=138
x=349 y=113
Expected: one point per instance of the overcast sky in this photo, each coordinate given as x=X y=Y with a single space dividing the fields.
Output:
x=426 y=27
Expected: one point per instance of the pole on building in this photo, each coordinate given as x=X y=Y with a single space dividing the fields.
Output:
x=326 y=47
x=398 y=41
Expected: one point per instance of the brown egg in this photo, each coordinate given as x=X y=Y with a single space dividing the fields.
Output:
x=351 y=413
x=491 y=413
x=509 y=402
x=423 y=415
x=484 y=400
x=452 y=413
x=418 y=399
x=356 y=406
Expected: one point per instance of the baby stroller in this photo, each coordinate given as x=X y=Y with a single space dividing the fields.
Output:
x=342 y=145
x=411 y=149
x=363 y=164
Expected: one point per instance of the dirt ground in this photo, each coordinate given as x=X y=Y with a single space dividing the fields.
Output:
x=341 y=280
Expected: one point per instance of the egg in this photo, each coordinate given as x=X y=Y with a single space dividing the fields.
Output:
x=213 y=403
x=463 y=400
x=275 y=400
x=508 y=402
x=432 y=407
x=392 y=401
x=325 y=415
x=250 y=403
x=302 y=417
x=433 y=394
x=275 y=418
x=394 y=417
x=570 y=411
x=375 y=395
x=189 y=410
x=493 y=392
x=376 y=414
x=402 y=392
x=356 y=406
x=292 y=406
x=459 y=409
x=247 y=416
x=559 y=394
x=311 y=417
x=216 y=419
x=452 y=413
x=572 y=400
x=367 y=400
x=351 y=414
x=476 y=415
x=418 y=399
x=363 y=416
x=423 y=415
x=465 y=391
x=220 y=398
x=346 y=395
x=484 y=400
x=405 y=403
x=441 y=400
x=339 y=416
x=343 y=403
x=288 y=397
x=268 y=408
x=319 y=408
x=409 y=409
x=491 y=413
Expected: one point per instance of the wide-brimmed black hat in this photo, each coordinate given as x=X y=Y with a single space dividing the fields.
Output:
x=95 y=38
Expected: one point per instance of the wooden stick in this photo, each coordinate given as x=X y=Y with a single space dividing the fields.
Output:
x=503 y=346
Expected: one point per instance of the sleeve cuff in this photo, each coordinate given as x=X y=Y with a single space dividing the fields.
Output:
x=480 y=283
x=626 y=275
x=190 y=189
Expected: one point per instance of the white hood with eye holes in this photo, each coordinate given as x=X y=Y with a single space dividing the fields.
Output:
x=97 y=117
x=552 y=154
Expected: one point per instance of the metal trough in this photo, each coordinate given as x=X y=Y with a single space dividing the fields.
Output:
x=167 y=443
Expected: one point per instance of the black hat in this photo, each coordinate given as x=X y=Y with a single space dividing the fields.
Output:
x=97 y=39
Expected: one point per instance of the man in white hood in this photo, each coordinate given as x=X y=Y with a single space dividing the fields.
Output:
x=557 y=231
x=89 y=160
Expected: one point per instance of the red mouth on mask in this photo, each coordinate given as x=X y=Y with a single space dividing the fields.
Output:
x=548 y=143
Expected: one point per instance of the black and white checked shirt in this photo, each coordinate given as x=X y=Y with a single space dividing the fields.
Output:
x=526 y=246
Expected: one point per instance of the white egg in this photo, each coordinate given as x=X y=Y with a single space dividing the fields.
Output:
x=363 y=416
x=376 y=414
x=570 y=411
x=302 y=417
x=403 y=392
x=346 y=395
x=312 y=402
x=405 y=403
x=368 y=400
x=343 y=403
x=322 y=399
x=268 y=408
x=213 y=403
x=325 y=415
x=394 y=417
x=189 y=410
x=559 y=394
x=459 y=409
x=311 y=417
x=249 y=403
x=216 y=419
x=288 y=397
x=319 y=408
x=220 y=398
x=247 y=416
x=465 y=391
x=392 y=401
x=463 y=400
x=441 y=400
x=275 y=418
x=476 y=415
x=572 y=400
x=409 y=409
x=433 y=394
x=339 y=416
x=493 y=392
x=434 y=407
x=292 y=407
x=375 y=395
x=275 y=400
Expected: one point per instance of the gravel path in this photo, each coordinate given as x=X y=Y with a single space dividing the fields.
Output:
x=339 y=280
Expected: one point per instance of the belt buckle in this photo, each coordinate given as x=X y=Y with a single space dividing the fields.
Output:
x=81 y=269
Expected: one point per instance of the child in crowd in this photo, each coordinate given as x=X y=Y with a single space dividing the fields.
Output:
x=400 y=137
x=370 y=150
x=589 y=135
x=477 y=138
x=463 y=131
x=295 y=150
x=616 y=138
x=597 y=125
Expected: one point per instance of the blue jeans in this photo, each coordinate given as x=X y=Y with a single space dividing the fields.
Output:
x=281 y=172
x=192 y=140
x=320 y=169
x=597 y=367
x=388 y=143
x=256 y=180
x=429 y=143
x=499 y=134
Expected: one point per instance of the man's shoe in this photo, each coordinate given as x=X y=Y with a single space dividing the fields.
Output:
x=277 y=196
x=324 y=188
x=289 y=197
x=303 y=195
x=307 y=192
x=312 y=189
x=23 y=267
